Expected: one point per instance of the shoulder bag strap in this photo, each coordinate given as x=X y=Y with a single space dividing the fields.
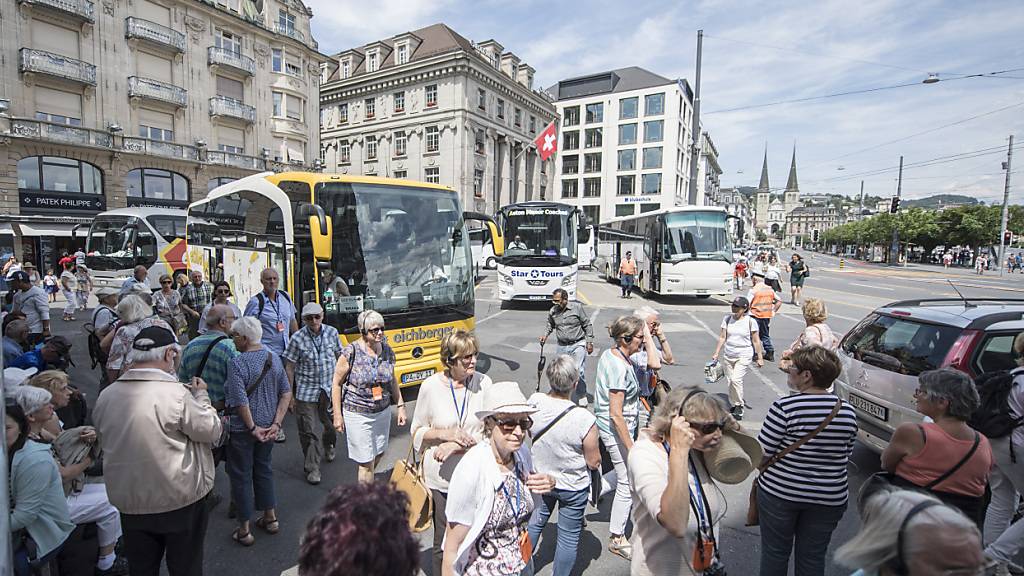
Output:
x=542 y=431
x=807 y=438
x=206 y=355
x=951 y=471
x=266 y=368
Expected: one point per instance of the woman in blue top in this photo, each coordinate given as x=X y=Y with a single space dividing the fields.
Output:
x=617 y=406
x=37 y=495
x=366 y=367
x=256 y=394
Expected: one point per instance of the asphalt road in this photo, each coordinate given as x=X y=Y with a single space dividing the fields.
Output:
x=510 y=352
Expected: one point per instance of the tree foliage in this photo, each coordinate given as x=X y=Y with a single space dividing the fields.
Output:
x=975 y=225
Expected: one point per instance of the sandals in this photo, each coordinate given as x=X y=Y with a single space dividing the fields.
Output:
x=620 y=546
x=246 y=539
x=270 y=526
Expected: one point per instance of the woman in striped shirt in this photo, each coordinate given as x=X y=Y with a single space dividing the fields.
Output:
x=803 y=496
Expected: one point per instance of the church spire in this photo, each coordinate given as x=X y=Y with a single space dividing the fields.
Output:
x=791 y=185
x=763 y=185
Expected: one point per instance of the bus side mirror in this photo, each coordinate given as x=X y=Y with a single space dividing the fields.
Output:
x=320 y=230
x=74 y=230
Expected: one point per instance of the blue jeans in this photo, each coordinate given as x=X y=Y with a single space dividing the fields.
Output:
x=571 y=507
x=810 y=524
x=763 y=332
x=578 y=351
x=252 y=475
x=627 y=281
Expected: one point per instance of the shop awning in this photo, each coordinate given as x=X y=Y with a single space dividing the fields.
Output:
x=6 y=228
x=45 y=229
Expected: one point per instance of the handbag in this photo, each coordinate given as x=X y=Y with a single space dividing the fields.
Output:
x=407 y=477
x=752 y=512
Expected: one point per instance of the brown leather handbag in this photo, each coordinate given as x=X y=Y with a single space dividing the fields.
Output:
x=752 y=513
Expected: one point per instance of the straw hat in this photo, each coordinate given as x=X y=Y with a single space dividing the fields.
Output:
x=504 y=398
x=735 y=457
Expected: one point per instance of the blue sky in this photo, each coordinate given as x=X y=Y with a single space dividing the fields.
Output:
x=763 y=52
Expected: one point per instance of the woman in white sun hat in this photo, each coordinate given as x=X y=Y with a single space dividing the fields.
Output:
x=493 y=492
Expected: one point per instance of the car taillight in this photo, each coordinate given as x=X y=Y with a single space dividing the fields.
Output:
x=959 y=355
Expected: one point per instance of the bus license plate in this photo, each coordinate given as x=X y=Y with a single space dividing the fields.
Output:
x=416 y=376
x=865 y=405
x=539 y=297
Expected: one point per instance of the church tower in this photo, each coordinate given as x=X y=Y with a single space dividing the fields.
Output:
x=764 y=196
x=792 y=197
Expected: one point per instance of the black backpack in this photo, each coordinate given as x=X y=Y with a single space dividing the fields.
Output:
x=96 y=354
x=993 y=418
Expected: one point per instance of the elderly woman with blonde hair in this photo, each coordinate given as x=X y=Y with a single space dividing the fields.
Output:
x=134 y=313
x=691 y=442
x=815 y=333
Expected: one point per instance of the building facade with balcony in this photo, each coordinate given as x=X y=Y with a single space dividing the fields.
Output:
x=151 y=103
x=624 y=142
x=709 y=173
x=736 y=204
x=431 y=105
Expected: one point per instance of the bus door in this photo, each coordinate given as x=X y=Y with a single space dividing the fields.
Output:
x=655 y=239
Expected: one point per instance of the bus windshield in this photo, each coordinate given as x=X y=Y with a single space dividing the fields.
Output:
x=396 y=249
x=697 y=236
x=535 y=233
x=110 y=245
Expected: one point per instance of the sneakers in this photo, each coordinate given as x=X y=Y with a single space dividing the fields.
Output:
x=280 y=437
x=330 y=453
x=769 y=356
x=737 y=412
x=313 y=477
x=119 y=568
x=620 y=546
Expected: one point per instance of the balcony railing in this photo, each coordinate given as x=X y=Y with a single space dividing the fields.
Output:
x=59 y=133
x=41 y=62
x=80 y=9
x=289 y=31
x=158 y=148
x=139 y=87
x=154 y=33
x=222 y=57
x=223 y=106
x=236 y=160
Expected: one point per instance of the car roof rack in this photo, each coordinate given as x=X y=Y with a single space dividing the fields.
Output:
x=968 y=302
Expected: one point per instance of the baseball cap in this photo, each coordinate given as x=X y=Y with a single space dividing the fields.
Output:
x=740 y=302
x=312 y=309
x=153 y=337
x=107 y=291
x=18 y=276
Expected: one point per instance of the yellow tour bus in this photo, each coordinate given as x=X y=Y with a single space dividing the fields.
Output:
x=350 y=243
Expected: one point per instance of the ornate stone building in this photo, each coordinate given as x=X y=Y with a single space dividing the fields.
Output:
x=144 y=103
x=772 y=210
x=431 y=105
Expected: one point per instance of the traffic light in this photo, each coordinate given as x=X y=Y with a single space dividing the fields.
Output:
x=894 y=207
x=814 y=235
x=1007 y=238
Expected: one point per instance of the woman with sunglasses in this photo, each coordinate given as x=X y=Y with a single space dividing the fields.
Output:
x=167 y=302
x=445 y=425
x=677 y=505
x=221 y=293
x=617 y=408
x=363 y=389
x=739 y=337
x=493 y=492
x=802 y=496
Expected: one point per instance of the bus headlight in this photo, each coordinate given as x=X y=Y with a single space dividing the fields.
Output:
x=569 y=280
x=505 y=279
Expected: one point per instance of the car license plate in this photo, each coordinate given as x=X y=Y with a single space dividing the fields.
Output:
x=416 y=376
x=865 y=405
x=702 y=291
x=539 y=297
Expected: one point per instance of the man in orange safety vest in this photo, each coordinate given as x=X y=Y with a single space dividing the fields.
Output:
x=764 y=303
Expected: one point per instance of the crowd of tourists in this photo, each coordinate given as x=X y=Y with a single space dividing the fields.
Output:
x=129 y=484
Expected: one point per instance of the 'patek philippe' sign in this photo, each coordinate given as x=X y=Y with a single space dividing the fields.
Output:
x=60 y=201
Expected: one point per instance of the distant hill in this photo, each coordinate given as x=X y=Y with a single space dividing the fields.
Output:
x=939 y=200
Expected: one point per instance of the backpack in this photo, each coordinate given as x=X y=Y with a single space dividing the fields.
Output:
x=993 y=418
x=263 y=301
x=96 y=354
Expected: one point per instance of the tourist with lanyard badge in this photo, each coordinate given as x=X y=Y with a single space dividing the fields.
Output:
x=276 y=313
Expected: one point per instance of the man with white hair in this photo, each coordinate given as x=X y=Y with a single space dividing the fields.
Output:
x=138 y=277
x=158 y=464
x=649 y=359
x=276 y=313
x=209 y=356
x=309 y=363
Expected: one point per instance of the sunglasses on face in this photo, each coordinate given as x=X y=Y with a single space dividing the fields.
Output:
x=166 y=282
x=707 y=427
x=225 y=292
x=376 y=330
x=629 y=339
x=509 y=426
x=468 y=359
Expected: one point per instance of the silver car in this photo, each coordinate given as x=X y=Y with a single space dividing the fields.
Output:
x=883 y=355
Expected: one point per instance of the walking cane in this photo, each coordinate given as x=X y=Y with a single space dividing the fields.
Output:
x=540 y=366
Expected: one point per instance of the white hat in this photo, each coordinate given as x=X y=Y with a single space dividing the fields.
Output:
x=17 y=376
x=312 y=309
x=107 y=291
x=504 y=398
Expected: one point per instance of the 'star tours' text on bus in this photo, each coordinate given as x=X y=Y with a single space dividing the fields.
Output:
x=350 y=243
x=540 y=250
x=683 y=251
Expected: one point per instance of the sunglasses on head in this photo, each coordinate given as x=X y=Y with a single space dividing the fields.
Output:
x=508 y=426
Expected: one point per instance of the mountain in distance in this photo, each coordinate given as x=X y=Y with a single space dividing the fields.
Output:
x=940 y=200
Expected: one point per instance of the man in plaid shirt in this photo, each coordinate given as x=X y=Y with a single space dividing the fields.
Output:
x=194 y=297
x=309 y=359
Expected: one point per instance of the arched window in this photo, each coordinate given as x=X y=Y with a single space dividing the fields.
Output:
x=52 y=182
x=219 y=181
x=154 y=187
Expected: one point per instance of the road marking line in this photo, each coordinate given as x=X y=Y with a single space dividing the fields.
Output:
x=486 y=318
x=582 y=297
x=753 y=369
x=872 y=287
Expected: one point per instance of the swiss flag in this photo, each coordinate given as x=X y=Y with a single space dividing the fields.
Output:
x=547 y=142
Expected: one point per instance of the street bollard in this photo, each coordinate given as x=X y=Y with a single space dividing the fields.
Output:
x=842 y=263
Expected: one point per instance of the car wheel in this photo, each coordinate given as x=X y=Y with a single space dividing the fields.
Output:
x=491 y=263
x=703 y=296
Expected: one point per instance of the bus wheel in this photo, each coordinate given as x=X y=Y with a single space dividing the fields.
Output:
x=491 y=263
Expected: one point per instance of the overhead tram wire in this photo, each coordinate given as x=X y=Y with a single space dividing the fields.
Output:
x=924 y=163
x=805 y=53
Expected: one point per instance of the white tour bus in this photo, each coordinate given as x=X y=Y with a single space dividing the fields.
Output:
x=679 y=251
x=119 y=240
x=540 y=250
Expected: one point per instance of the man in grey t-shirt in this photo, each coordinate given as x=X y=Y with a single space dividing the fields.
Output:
x=575 y=335
x=31 y=301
